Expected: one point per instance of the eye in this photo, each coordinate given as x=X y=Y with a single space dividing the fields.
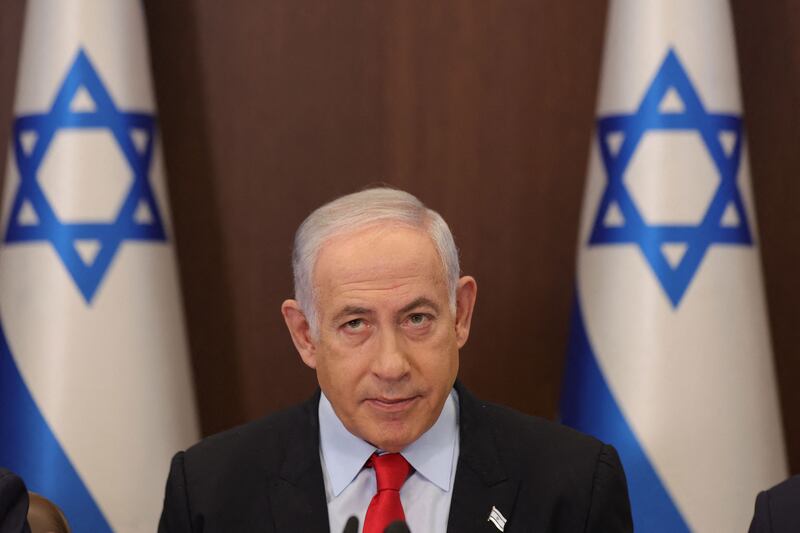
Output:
x=354 y=325
x=418 y=319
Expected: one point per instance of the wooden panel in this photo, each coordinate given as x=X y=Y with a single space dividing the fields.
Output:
x=483 y=109
x=769 y=58
x=11 y=17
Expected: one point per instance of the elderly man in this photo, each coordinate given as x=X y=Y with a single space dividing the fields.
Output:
x=380 y=313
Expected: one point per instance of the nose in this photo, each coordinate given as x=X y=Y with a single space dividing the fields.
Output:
x=391 y=362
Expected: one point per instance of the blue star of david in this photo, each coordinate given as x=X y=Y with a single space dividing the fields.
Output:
x=651 y=238
x=33 y=218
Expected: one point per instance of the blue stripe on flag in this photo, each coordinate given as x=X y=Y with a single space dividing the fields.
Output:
x=29 y=448
x=588 y=405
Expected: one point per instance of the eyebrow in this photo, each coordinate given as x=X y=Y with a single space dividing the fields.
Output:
x=420 y=302
x=350 y=310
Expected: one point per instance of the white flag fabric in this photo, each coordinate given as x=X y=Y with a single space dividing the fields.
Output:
x=670 y=357
x=95 y=384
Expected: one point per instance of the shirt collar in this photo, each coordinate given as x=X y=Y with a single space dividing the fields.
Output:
x=431 y=455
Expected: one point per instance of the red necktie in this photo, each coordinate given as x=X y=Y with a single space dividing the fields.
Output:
x=391 y=471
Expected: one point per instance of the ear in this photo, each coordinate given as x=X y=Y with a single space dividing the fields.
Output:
x=466 y=293
x=300 y=330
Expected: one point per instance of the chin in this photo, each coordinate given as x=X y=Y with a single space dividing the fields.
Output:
x=393 y=445
x=395 y=439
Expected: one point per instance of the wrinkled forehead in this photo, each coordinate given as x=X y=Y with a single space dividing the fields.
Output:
x=385 y=251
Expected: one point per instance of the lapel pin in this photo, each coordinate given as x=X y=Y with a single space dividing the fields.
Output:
x=497 y=518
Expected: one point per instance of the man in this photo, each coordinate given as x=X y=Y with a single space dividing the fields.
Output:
x=13 y=503
x=778 y=509
x=380 y=313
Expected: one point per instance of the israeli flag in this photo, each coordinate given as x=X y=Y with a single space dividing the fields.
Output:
x=670 y=357
x=95 y=384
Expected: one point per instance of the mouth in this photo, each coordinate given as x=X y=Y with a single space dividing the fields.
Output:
x=392 y=405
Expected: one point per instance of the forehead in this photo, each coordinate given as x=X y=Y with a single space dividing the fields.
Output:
x=377 y=258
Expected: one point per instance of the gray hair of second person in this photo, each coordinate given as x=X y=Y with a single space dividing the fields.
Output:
x=357 y=211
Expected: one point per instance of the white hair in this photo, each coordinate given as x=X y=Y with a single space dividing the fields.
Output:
x=356 y=211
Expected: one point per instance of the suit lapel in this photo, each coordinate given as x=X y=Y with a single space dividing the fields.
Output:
x=482 y=483
x=297 y=494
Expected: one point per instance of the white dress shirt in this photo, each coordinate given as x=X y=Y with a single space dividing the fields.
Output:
x=425 y=496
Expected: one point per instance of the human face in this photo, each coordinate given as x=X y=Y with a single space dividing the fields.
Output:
x=387 y=351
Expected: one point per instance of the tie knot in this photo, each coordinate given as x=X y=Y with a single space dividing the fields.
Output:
x=391 y=470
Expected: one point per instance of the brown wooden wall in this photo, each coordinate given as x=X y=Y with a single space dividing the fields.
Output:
x=483 y=109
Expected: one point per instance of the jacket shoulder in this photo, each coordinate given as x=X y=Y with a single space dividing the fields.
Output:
x=775 y=509
x=225 y=481
x=535 y=439
x=257 y=448
x=567 y=481
x=270 y=427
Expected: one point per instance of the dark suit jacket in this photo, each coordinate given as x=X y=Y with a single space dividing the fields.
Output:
x=778 y=509
x=266 y=476
x=13 y=503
